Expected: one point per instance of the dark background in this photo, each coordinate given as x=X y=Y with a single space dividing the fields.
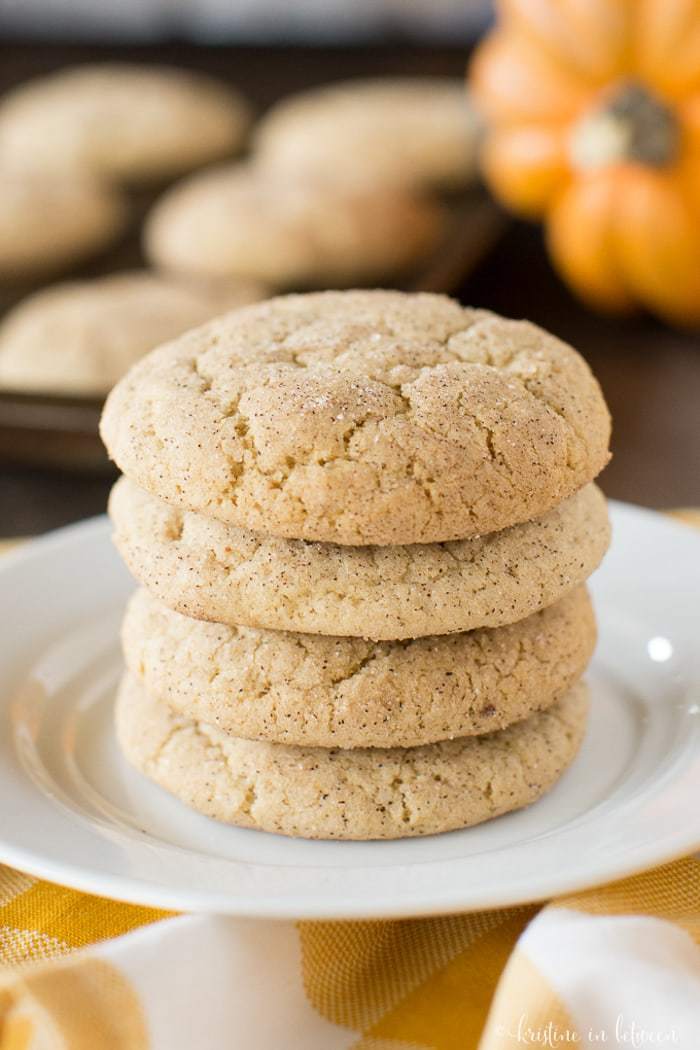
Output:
x=650 y=374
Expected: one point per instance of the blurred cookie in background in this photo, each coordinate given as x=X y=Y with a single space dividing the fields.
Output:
x=124 y=122
x=290 y=231
x=413 y=131
x=50 y=222
x=80 y=337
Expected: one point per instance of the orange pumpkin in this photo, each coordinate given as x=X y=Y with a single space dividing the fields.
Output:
x=593 y=116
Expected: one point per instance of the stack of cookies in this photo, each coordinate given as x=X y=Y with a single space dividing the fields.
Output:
x=363 y=522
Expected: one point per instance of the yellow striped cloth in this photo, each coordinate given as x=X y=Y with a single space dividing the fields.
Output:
x=617 y=966
x=614 y=966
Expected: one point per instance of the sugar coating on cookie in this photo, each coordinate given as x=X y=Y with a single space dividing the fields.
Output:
x=51 y=222
x=81 y=337
x=364 y=417
x=127 y=122
x=403 y=130
x=212 y=571
x=239 y=221
x=359 y=794
x=311 y=690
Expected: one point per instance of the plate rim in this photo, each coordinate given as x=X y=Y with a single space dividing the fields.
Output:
x=278 y=909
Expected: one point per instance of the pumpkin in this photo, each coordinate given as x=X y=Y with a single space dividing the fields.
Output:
x=592 y=109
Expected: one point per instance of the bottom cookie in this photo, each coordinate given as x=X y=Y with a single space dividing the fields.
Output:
x=366 y=793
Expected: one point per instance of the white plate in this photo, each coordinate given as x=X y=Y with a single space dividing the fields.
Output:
x=72 y=811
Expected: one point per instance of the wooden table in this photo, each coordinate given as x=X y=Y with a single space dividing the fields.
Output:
x=650 y=374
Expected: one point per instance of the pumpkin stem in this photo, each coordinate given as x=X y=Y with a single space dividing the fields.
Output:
x=631 y=125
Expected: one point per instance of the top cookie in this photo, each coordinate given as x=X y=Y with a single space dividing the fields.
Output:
x=125 y=122
x=416 y=131
x=361 y=418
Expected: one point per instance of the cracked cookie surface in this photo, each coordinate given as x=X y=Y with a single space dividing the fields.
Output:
x=361 y=418
x=359 y=794
x=212 y=571
x=321 y=691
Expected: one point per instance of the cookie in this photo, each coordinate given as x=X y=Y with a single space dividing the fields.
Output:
x=49 y=223
x=124 y=122
x=239 y=222
x=420 y=131
x=316 y=691
x=81 y=337
x=361 y=418
x=360 y=794
x=212 y=571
